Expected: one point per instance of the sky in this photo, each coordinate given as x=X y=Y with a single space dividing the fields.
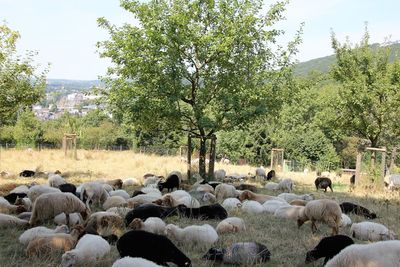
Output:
x=65 y=32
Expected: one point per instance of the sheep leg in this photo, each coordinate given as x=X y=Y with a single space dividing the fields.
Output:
x=313 y=227
x=67 y=219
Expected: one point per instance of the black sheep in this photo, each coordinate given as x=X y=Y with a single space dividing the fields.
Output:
x=323 y=183
x=68 y=188
x=212 y=183
x=137 y=192
x=239 y=253
x=13 y=196
x=149 y=210
x=348 y=207
x=353 y=179
x=153 y=247
x=215 y=211
x=271 y=174
x=170 y=183
x=27 y=173
x=328 y=247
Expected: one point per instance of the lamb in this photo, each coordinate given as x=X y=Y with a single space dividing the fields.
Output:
x=261 y=198
x=46 y=244
x=383 y=253
x=12 y=197
x=55 y=180
x=323 y=210
x=249 y=187
x=231 y=204
x=323 y=183
x=328 y=247
x=105 y=224
x=137 y=262
x=200 y=235
x=272 y=186
x=89 y=249
x=370 y=231
x=219 y=175
x=290 y=196
x=286 y=185
x=149 y=210
x=120 y=192
x=215 y=211
x=270 y=175
x=348 y=207
x=49 y=205
x=345 y=220
x=231 y=225
x=27 y=173
x=11 y=221
x=144 y=244
x=32 y=233
x=170 y=183
x=115 y=201
x=74 y=219
x=152 y=224
x=289 y=212
x=271 y=206
x=252 y=207
x=37 y=190
x=223 y=191
x=94 y=191
x=68 y=188
x=243 y=253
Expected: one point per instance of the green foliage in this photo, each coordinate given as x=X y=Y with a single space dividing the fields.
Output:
x=28 y=130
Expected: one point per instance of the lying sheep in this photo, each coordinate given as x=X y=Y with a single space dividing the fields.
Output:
x=153 y=225
x=9 y=221
x=223 y=191
x=142 y=199
x=204 y=187
x=120 y=192
x=290 y=197
x=67 y=187
x=328 y=247
x=7 y=208
x=286 y=185
x=32 y=233
x=271 y=206
x=200 y=235
x=298 y=202
x=37 y=190
x=261 y=198
x=231 y=204
x=383 y=253
x=121 y=211
x=88 y=251
x=130 y=182
x=252 y=207
x=204 y=198
x=289 y=212
x=136 y=262
x=370 y=231
x=272 y=186
x=20 y=189
x=231 y=225
x=104 y=223
x=348 y=207
x=345 y=221
x=12 y=197
x=322 y=210
x=25 y=216
x=249 y=187
x=215 y=211
x=114 y=201
x=149 y=210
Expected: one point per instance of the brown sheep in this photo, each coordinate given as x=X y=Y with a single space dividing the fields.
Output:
x=261 y=198
x=298 y=202
x=116 y=183
x=104 y=224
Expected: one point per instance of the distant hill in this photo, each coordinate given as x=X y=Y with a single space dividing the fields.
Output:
x=323 y=64
x=63 y=85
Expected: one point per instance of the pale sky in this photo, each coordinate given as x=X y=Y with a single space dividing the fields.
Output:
x=65 y=32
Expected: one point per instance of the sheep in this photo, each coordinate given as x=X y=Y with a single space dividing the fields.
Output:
x=144 y=244
x=215 y=211
x=223 y=191
x=130 y=182
x=11 y=221
x=151 y=180
x=55 y=180
x=49 y=205
x=200 y=235
x=25 y=216
x=37 y=190
x=328 y=247
x=20 y=189
x=270 y=175
x=142 y=199
x=170 y=183
x=272 y=186
x=289 y=212
x=383 y=253
x=137 y=262
x=120 y=192
x=45 y=244
x=12 y=197
x=189 y=201
x=348 y=207
x=290 y=196
x=204 y=198
x=231 y=204
x=252 y=207
x=115 y=201
x=94 y=191
x=260 y=172
x=121 y=211
x=271 y=206
x=108 y=188
x=370 y=231
x=27 y=173
x=149 y=210
x=214 y=184
x=323 y=183
x=392 y=181
x=32 y=233
x=261 y=198
x=353 y=179
x=298 y=202
x=323 y=210
x=219 y=175
x=155 y=191
x=6 y=207
x=68 y=188
x=243 y=253
x=286 y=185
x=88 y=250
x=345 y=220
x=231 y=225
x=152 y=224
x=205 y=187
x=74 y=219
x=104 y=224
x=116 y=183
x=249 y=187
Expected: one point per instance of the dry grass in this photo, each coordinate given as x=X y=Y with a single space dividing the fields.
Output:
x=287 y=244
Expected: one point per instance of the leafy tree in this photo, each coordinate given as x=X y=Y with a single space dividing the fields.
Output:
x=28 y=130
x=20 y=86
x=195 y=66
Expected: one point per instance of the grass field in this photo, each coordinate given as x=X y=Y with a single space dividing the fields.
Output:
x=287 y=244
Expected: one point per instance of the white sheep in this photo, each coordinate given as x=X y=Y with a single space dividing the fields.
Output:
x=231 y=204
x=11 y=221
x=289 y=212
x=252 y=207
x=26 y=202
x=205 y=187
x=142 y=199
x=188 y=201
x=153 y=225
x=37 y=190
x=20 y=189
x=32 y=233
x=74 y=219
x=272 y=186
x=49 y=205
x=370 y=231
x=151 y=191
x=290 y=197
x=134 y=262
x=130 y=182
x=55 y=180
x=231 y=225
x=89 y=249
x=121 y=211
x=201 y=235
x=260 y=172
x=271 y=206
x=6 y=207
x=94 y=191
x=223 y=191
x=345 y=220
x=379 y=254
x=151 y=181
x=286 y=185
x=219 y=175
x=121 y=193
x=114 y=201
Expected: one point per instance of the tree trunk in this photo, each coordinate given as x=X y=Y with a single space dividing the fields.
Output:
x=212 y=158
x=392 y=159
x=202 y=157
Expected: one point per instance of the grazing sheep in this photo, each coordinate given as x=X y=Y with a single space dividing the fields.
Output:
x=115 y=201
x=348 y=207
x=74 y=219
x=153 y=225
x=20 y=189
x=243 y=253
x=47 y=244
x=6 y=207
x=261 y=198
x=290 y=196
x=272 y=186
x=223 y=191
x=93 y=191
x=345 y=220
x=11 y=221
x=68 y=188
x=271 y=206
x=289 y=212
x=104 y=223
x=270 y=175
x=136 y=262
x=219 y=175
x=120 y=192
x=89 y=249
x=328 y=247
x=32 y=233
x=298 y=202
x=204 y=198
x=323 y=183
x=231 y=204
x=200 y=235
x=170 y=183
x=231 y=225
x=153 y=247
x=252 y=207
x=55 y=180
x=260 y=172
x=286 y=185
x=49 y=205
x=149 y=210
x=383 y=253
x=323 y=210
x=370 y=231
x=27 y=173
x=392 y=181
x=215 y=211
x=12 y=197
x=249 y=187
x=37 y=190
x=121 y=211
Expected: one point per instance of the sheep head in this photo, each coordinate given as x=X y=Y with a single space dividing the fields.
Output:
x=246 y=194
x=68 y=259
x=136 y=224
x=168 y=201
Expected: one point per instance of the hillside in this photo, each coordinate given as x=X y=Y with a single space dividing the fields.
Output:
x=68 y=86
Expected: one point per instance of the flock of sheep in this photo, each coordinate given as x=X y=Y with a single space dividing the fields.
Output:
x=135 y=221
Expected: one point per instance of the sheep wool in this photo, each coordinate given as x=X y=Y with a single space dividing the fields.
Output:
x=289 y=212
x=201 y=235
x=271 y=206
x=370 y=231
x=74 y=219
x=55 y=180
x=223 y=191
x=136 y=262
x=120 y=192
x=11 y=221
x=252 y=207
x=153 y=225
x=290 y=197
x=345 y=220
x=32 y=233
x=37 y=190
x=231 y=204
x=231 y=225
x=114 y=201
